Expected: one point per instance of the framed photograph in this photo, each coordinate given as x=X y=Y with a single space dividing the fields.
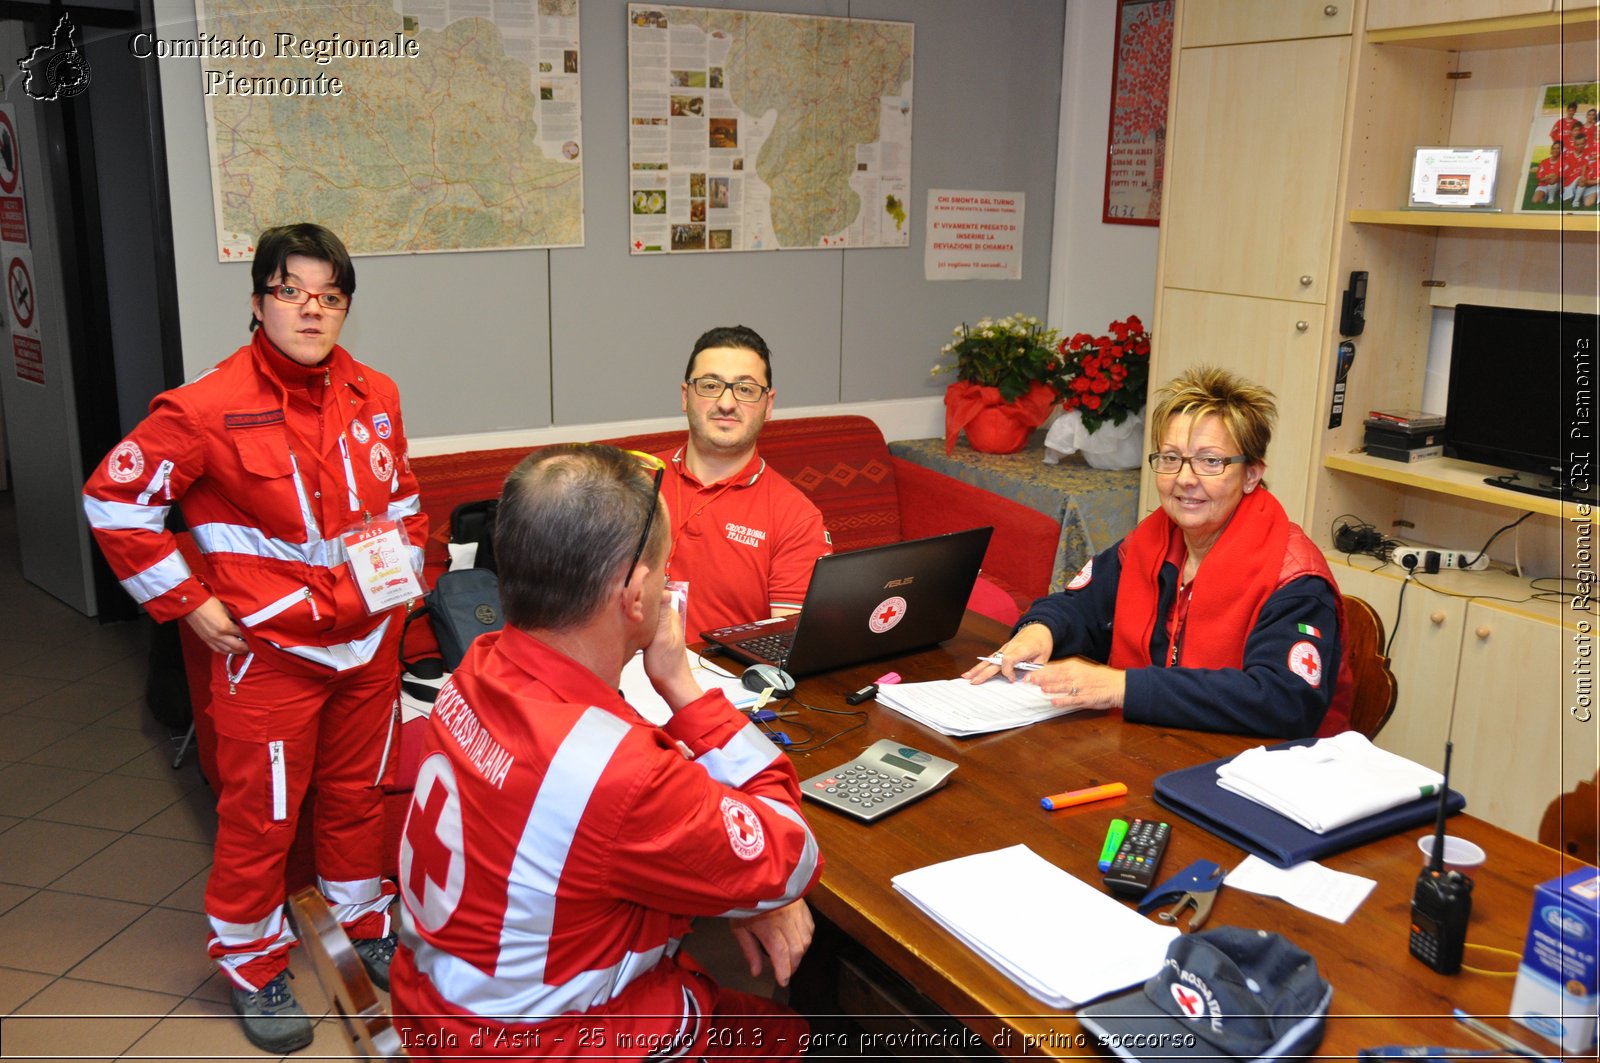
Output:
x=1453 y=178
x=1561 y=166
x=1138 y=132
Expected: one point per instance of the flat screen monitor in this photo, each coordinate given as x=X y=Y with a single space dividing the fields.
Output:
x=1520 y=381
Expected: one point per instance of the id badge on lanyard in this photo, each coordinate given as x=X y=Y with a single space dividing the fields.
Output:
x=380 y=563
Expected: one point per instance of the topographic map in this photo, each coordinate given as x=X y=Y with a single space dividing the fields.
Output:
x=755 y=131
x=404 y=125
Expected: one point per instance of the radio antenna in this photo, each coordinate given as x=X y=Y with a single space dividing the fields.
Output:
x=1436 y=863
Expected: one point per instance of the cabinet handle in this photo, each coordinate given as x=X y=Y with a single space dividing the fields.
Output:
x=1483 y=632
x=1305 y=280
x=1331 y=10
x=1437 y=617
x=1301 y=326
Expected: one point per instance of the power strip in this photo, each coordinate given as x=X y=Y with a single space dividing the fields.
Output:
x=1428 y=559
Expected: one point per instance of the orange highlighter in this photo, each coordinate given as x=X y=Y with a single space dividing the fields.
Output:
x=1056 y=802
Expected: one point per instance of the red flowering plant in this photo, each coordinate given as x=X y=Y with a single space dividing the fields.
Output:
x=1105 y=378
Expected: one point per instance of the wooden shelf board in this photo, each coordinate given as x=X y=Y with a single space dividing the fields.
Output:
x=1512 y=31
x=1497 y=587
x=1445 y=219
x=1448 y=476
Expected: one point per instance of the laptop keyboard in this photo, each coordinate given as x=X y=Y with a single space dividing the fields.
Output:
x=771 y=647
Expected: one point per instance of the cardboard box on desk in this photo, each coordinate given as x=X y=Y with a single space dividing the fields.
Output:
x=1557 y=979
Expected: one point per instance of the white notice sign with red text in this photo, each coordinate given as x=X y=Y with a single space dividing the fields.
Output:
x=973 y=235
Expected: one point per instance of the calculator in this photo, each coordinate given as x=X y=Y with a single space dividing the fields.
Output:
x=886 y=776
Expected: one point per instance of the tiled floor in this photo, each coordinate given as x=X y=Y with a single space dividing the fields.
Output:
x=104 y=851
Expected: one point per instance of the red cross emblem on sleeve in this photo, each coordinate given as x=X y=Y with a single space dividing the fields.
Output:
x=744 y=829
x=1305 y=661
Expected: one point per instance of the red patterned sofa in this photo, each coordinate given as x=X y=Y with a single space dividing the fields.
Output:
x=867 y=497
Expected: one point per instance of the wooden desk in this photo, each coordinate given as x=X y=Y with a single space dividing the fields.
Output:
x=1096 y=507
x=1381 y=995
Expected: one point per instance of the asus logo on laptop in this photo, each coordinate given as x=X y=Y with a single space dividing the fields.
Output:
x=908 y=581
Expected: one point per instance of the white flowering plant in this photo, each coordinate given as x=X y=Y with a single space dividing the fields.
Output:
x=1012 y=354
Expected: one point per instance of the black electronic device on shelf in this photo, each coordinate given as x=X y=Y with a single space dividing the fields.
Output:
x=1520 y=381
x=1442 y=902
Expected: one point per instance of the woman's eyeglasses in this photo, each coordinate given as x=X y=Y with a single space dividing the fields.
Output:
x=288 y=293
x=1169 y=464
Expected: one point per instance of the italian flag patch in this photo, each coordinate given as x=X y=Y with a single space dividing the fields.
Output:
x=1307 y=629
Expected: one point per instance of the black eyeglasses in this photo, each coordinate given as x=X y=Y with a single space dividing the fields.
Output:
x=1169 y=464
x=288 y=293
x=710 y=387
x=648 y=461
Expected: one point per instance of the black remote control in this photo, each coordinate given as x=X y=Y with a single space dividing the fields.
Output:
x=1133 y=869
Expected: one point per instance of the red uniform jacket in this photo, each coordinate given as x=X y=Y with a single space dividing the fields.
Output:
x=270 y=462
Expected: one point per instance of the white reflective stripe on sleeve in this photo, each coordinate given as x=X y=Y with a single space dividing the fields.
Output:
x=806 y=866
x=124 y=516
x=401 y=508
x=740 y=758
x=252 y=542
x=267 y=612
x=280 y=799
x=158 y=579
x=157 y=482
x=349 y=477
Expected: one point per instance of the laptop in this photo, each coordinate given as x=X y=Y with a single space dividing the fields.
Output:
x=878 y=602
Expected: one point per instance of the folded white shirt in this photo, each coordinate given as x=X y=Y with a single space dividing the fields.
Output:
x=1329 y=783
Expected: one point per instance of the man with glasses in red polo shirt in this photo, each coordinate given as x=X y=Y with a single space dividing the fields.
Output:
x=744 y=538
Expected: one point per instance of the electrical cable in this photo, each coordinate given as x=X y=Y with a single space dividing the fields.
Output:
x=1497 y=951
x=805 y=745
x=1497 y=535
x=1399 y=609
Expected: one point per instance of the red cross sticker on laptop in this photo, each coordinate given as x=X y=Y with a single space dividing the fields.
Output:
x=887 y=614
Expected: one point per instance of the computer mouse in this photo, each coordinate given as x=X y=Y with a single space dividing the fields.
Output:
x=759 y=677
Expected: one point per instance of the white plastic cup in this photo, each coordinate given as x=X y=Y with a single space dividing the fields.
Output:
x=1459 y=854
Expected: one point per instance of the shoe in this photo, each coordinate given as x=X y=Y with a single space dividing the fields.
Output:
x=273 y=1020
x=376 y=954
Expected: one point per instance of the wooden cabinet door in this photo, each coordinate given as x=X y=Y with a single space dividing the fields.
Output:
x=1509 y=717
x=1254 y=166
x=1207 y=22
x=1275 y=344
x=1423 y=652
x=1387 y=14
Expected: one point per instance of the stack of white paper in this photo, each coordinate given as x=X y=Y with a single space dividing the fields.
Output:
x=1059 y=938
x=643 y=697
x=956 y=707
x=1328 y=783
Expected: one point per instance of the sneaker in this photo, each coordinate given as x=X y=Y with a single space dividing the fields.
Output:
x=273 y=1020
x=376 y=954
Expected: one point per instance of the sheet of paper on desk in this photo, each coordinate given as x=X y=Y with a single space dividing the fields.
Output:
x=956 y=707
x=1058 y=937
x=643 y=697
x=1308 y=886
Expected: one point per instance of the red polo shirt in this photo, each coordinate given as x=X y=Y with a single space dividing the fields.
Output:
x=745 y=545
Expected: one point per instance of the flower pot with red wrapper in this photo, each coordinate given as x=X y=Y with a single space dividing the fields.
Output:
x=1004 y=386
x=1103 y=382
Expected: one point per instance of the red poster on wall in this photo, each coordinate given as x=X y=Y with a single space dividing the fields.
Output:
x=1138 y=134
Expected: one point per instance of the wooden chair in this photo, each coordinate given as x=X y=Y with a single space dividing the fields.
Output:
x=344 y=978
x=1375 y=687
x=1572 y=822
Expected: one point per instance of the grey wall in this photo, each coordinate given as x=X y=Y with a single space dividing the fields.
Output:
x=523 y=339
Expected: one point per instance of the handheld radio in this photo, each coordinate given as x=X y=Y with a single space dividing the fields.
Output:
x=1442 y=902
